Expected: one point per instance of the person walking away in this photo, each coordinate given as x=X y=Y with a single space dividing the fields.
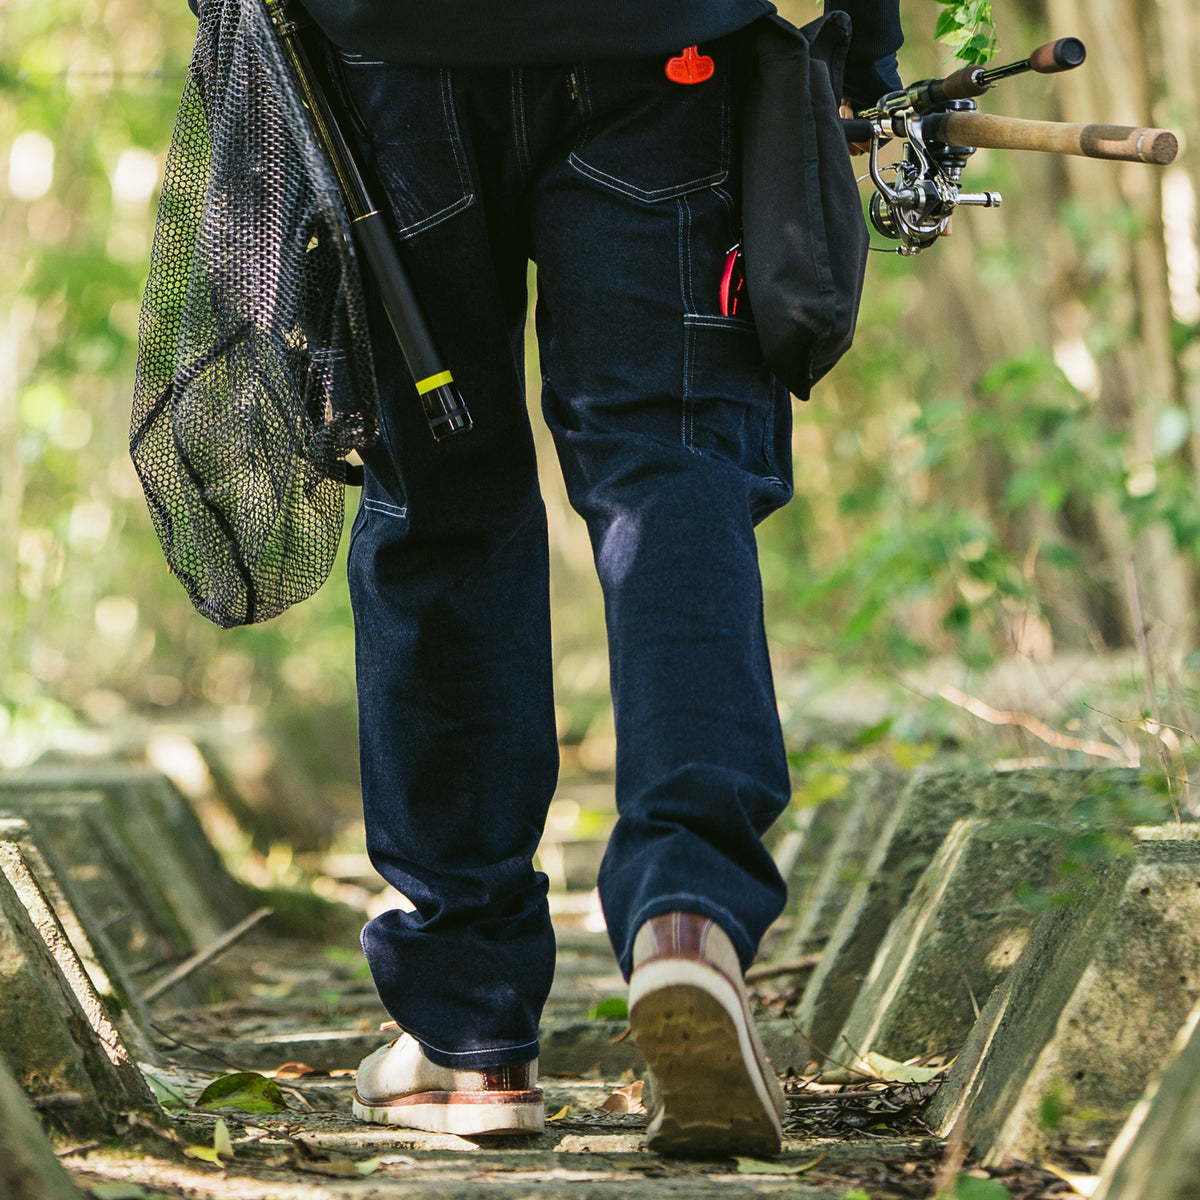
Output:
x=599 y=139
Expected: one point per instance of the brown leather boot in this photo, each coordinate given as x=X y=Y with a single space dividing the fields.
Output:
x=712 y=1090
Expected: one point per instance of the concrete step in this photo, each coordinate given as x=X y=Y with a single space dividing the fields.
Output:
x=1066 y=1044
x=932 y=894
x=55 y=1032
x=920 y=820
x=1158 y=1151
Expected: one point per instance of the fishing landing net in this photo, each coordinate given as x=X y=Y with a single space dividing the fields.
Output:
x=254 y=374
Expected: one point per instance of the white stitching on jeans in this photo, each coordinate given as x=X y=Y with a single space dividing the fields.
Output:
x=519 y=117
x=450 y=116
x=407 y=231
x=468 y=1053
x=386 y=509
x=627 y=189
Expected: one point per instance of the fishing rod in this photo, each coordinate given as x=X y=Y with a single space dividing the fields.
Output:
x=939 y=124
x=445 y=411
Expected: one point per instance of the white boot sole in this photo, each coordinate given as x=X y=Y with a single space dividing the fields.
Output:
x=468 y=1114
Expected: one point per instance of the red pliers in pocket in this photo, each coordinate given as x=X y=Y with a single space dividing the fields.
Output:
x=734 y=302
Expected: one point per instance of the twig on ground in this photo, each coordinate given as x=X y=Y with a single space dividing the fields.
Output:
x=1034 y=725
x=194 y=1049
x=205 y=956
x=953 y=1158
x=829 y=1057
x=775 y=970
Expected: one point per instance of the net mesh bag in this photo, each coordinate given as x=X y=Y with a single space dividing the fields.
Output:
x=254 y=375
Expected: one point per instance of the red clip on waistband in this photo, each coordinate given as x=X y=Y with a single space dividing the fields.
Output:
x=690 y=67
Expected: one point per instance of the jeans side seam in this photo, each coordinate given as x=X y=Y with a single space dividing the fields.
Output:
x=450 y=116
x=584 y=99
x=685 y=265
x=520 y=119
x=687 y=411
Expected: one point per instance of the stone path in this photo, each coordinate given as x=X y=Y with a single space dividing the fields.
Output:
x=1033 y=917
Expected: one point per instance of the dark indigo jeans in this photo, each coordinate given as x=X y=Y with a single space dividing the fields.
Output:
x=673 y=439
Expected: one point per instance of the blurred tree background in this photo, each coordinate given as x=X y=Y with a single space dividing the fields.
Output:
x=1005 y=466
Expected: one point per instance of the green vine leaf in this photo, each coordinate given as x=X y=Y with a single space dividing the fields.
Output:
x=966 y=27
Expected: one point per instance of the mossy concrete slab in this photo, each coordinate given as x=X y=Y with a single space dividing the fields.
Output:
x=157 y=829
x=112 y=896
x=29 y=872
x=1066 y=1043
x=921 y=819
x=62 y=1049
x=962 y=930
x=29 y=1168
x=831 y=854
x=1158 y=1151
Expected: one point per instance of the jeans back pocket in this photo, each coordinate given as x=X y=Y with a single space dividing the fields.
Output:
x=649 y=138
x=417 y=148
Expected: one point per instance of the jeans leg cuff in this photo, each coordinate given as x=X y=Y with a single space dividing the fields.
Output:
x=481 y=1060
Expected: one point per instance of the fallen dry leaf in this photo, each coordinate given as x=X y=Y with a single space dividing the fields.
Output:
x=1085 y=1185
x=627 y=1099
x=296 y=1070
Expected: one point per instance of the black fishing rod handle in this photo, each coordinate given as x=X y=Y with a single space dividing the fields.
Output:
x=444 y=408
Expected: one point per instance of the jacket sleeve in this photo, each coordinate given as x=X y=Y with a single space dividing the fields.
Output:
x=871 y=68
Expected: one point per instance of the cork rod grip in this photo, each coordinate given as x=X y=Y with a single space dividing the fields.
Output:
x=1124 y=142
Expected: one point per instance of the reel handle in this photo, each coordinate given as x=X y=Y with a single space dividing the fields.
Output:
x=1065 y=54
x=967 y=83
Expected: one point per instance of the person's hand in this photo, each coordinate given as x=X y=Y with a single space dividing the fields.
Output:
x=846 y=109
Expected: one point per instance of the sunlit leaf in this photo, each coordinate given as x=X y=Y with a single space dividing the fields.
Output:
x=969 y=1187
x=222 y=1143
x=294 y=1070
x=244 y=1090
x=1085 y=1185
x=627 y=1099
x=758 y=1166
x=207 y=1153
x=895 y=1072
x=614 y=1008
x=169 y=1096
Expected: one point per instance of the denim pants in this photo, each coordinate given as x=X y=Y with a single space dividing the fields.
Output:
x=622 y=187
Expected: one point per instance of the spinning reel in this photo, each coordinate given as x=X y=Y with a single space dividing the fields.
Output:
x=940 y=127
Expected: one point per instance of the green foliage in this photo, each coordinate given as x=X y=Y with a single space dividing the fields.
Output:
x=966 y=27
x=613 y=1008
x=952 y=481
x=1053 y=1109
x=246 y=1091
x=970 y=1187
x=92 y=625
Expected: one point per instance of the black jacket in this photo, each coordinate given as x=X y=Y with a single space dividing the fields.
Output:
x=509 y=32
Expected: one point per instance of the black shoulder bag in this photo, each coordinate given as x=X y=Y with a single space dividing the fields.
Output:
x=804 y=236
